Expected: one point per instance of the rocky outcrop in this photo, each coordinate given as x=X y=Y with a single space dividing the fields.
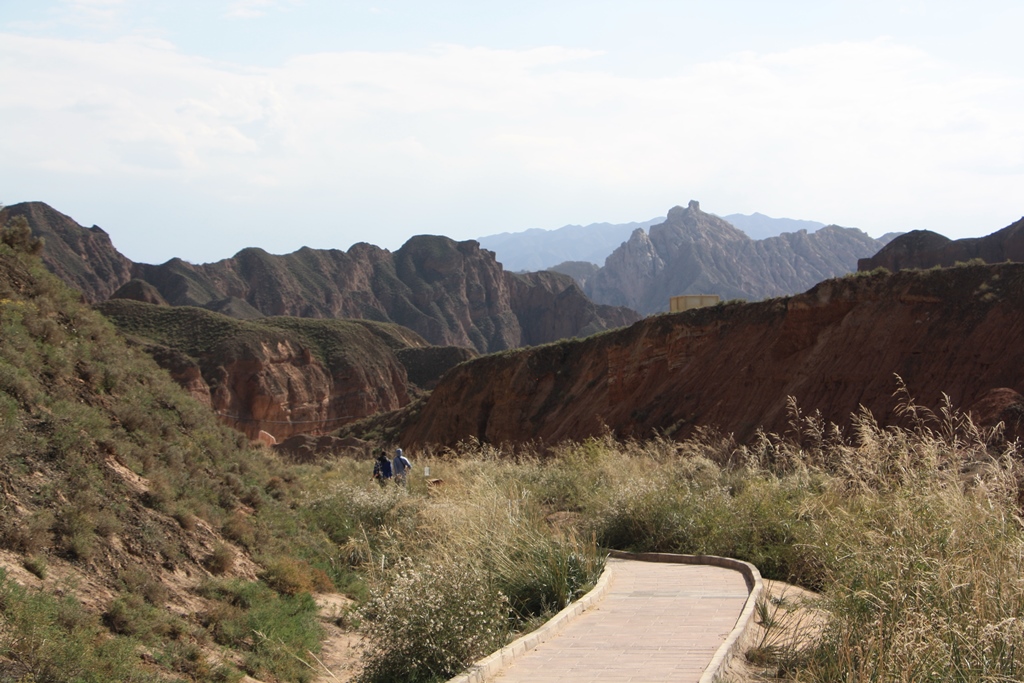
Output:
x=580 y=271
x=927 y=249
x=283 y=376
x=451 y=293
x=694 y=252
x=834 y=348
x=548 y=306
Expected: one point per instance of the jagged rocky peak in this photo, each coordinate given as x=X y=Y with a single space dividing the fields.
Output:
x=693 y=252
x=692 y=223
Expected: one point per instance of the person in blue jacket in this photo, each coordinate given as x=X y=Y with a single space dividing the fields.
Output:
x=382 y=469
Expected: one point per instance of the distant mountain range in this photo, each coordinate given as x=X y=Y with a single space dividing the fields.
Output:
x=459 y=294
x=538 y=249
x=693 y=252
x=757 y=226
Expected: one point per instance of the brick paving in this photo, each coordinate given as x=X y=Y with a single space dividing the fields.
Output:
x=658 y=622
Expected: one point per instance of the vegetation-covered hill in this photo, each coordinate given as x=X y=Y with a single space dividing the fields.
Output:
x=139 y=539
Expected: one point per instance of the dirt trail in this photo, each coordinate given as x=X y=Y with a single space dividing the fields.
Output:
x=339 y=654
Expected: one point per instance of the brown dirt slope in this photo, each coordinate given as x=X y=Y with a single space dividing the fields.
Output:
x=84 y=258
x=834 y=348
x=926 y=249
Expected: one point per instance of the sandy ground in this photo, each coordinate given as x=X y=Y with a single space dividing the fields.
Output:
x=797 y=623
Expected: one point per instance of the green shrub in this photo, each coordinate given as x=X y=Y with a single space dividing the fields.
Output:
x=275 y=632
x=56 y=640
x=132 y=615
x=289 y=576
x=36 y=564
x=140 y=581
x=430 y=622
x=221 y=560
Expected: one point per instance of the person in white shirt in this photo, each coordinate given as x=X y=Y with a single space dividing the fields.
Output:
x=400 y=467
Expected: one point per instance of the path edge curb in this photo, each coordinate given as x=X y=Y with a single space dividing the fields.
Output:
x=488 y=667
x=741 y=631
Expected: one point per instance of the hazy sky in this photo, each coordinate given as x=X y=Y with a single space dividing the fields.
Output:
x=195 y=128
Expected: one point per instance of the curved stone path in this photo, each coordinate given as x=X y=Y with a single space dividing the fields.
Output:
x=652 y=622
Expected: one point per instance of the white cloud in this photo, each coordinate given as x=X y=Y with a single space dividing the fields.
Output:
x=874 y=134
x=254 y=9
x=92 y=13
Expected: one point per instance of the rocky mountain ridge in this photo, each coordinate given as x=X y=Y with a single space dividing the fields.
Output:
x=694 y=252
x=538 y=249
x=834 y=349
x=451 y=293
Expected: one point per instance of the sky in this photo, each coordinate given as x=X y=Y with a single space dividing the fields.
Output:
x=196 y=128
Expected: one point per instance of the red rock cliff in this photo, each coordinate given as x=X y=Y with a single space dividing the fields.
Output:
x=285 y=376
x=278 y=387
x=834 y=348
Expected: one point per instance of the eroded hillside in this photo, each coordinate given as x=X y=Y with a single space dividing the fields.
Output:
x=839 y=346
x=285 y=376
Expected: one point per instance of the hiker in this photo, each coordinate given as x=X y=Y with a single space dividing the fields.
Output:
x=382 y=469
x=400 y=466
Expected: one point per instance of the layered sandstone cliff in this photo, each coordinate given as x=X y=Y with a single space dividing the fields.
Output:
x=835 y=348
x=284 y=376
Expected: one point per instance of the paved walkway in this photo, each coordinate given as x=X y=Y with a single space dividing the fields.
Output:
x=658 y=622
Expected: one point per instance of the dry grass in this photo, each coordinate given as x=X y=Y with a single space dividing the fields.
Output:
x=911 y=536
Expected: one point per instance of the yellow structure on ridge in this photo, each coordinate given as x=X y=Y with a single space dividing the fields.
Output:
x=677 y=304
